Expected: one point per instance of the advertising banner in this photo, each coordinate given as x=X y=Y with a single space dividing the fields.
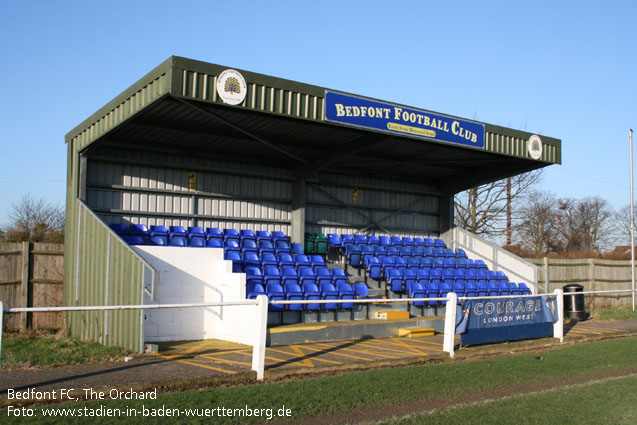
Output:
x=372 y=114
x=505 y=319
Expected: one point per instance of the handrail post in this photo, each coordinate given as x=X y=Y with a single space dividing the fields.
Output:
x=258 y=349
x=558 y=327
x=450 y=323
x=1 y=328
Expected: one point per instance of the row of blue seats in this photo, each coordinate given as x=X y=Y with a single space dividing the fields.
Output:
x=324 y=291
x=268 y=259
x=344 y=240
x=355 y=253
x=383 y=261
x=469 y=289
x=196 y=232
x=425 y=274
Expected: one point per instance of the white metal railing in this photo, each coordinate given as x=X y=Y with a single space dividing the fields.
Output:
x=261 y=303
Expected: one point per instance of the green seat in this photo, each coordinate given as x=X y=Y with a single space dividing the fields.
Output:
x=320 y=243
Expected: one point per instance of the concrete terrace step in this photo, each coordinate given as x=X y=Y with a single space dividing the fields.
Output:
x=415 y=332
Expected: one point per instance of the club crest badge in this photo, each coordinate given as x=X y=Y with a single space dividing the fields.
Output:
x=231 y=87
x=534 y=146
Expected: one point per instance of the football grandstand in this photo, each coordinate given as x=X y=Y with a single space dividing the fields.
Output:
x=202 y=183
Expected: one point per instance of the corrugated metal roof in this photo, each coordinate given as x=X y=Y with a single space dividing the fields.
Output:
x=176 y=108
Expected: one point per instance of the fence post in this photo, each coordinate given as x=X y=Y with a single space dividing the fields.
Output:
x=258 y=349
x=591 y=278
x=24 y=288
x=1 y=328
x=547 y=278
x=558 y=327
x=450 y=323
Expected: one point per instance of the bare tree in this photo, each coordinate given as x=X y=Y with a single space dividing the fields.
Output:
x=620 y=223
x=537 y=229
x=585 y=224
x=482 y=210
x=35 y=220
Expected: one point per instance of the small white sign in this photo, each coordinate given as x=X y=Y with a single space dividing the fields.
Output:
x=231 y=87
x=534 y=146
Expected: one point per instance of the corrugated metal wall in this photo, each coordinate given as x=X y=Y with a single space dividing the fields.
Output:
x=346 y=204
x=105 y=272
x=154 y=189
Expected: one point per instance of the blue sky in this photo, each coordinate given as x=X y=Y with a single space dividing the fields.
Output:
x=561 y=69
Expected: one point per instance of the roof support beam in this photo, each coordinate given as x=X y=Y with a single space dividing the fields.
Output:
x=241 y=130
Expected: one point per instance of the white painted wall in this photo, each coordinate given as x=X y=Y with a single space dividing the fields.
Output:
x=196 y=275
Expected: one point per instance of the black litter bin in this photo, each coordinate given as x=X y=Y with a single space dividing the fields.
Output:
x=574 y=307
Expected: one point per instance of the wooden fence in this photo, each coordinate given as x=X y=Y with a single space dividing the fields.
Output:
x=592 y=274
x=31 y=275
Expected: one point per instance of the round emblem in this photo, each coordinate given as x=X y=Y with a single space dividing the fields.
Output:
x=534 y=146
x=231 y=87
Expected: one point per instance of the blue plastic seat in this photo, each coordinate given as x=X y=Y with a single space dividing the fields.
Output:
x=419 y=242
x=289 y=275
x=384 y=240
x=429 y=242
x=409 y=278
x=278 y=235
x=461 y=263
x=317 y=261
x=361 y=290
x=138 y=230
x=249 y=245
x=408 y=241
x=159 y=231
x=214 y=243
x=395 y=280
x=502 y=277
x=359 y=239
x=247 y=234
x=285 y=259
x=374 y=268
x=264 y=235
x=281 y=247
x=481 y=264
x=301 y=260
x=197 y=243
x=396 y=241
x=275 y=292
x=417 y=290
x=253 y=277
x=294 y=292
x=524 y=288
x=432 y=290
x=306 y=274
x=329 y=292
x=265 y=245
x=311 y=292
x=255 y=291
x=214 y=233
x=449 y=263
x=492 y=288
x=373 y=240
x=232 y=246
x=353 y=253
x=439 y=251
x=296 y=249
x=235 y=257
x=178 y=241
x=440 y=243
x=196 y=232
x=444 y=288
x=470 y=289
x=271 y=274
x=135 y=239
x=334 y=240
x=504 y=288
x=458 y=288
x=347 y=239
x=251 y=258
x=268 y=259
x=471 y=264
x=425 y=262
x=177 y=231
x=514 y=289
x=481 y=288
x=345 y=292
x=460 y=253
x=231 y=235
x=158 y=240
x=323 y=275
x=338 y=276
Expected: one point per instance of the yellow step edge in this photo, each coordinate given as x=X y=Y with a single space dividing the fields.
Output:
x=391 y=314
x=415 y=332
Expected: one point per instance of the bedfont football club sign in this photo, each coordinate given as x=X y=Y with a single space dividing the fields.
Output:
x=387 y=117
x=231 y=87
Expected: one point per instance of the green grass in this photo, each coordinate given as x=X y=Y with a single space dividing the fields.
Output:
x=586 y=405
x=335 y=395
x=29 y=350
x=620 y=313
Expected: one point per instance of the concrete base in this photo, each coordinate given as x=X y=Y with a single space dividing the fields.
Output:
x=351 y=330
